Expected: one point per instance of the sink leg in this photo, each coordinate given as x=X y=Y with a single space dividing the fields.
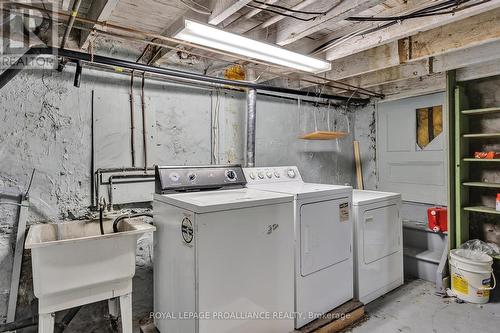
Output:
x=126 y=312
x=46 y=323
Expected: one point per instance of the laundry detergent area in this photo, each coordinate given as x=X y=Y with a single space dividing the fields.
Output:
x=250 y=166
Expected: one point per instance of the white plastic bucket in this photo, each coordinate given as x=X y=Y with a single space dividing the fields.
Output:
x=471 y=275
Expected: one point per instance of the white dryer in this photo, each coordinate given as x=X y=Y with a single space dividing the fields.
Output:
x=323 y=239
x=223 y=253
x=378 y=248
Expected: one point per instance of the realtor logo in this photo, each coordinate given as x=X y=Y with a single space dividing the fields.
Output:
x=25 y=25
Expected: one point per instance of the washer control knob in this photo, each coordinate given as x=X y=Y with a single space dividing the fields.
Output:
x=174 y=176
x=251 y=175
x=291 y=173
x=277 y=174
x=231 y=175
x=261 y=175
x=192 y=176
x=269 y=174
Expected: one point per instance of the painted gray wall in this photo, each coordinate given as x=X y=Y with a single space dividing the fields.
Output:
x=45 y=124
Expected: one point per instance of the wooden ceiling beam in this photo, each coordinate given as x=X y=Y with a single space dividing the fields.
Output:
x=405 y=29
x=222 y=9
x=290 y=30
x=101 y=11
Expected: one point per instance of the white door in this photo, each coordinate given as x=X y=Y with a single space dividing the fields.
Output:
x=381 y=236
x=419 y=174
x=325 y=234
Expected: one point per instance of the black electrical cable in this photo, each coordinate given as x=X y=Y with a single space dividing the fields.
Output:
x=281 y=13
x=26 y=194
x=101 y=218
x=298 y=11
x=434 y=10
x=128 y=216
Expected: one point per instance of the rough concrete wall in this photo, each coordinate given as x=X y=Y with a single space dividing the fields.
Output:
x=46 y=125
x=280 y=123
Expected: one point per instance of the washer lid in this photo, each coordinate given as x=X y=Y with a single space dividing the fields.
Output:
x=211 y=201
x=363 y=197
x=304 y=190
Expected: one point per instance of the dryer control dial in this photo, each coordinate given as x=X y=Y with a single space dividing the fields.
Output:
x=291 y=173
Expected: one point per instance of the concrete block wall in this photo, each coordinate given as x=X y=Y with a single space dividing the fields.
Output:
x=45 y=123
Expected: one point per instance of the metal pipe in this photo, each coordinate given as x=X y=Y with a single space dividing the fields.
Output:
x=106 y=25
x=75 y=55
x=144 y=126
x=71 y=21
x=251 y=121
x=132 y=119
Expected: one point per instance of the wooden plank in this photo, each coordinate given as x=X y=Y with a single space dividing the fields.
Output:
x=405 y=29
x=339 y=325
x=487 y=160
x=482 y=209
x=481 y=135
x=471 y=63
x=482 y=184
x=412 y=87
x=100 y=10
x=278 y=18
x=375 y=60
x=332 y=316
x=291 y=30
x=222 y=9
x=479 y=71
x=450 y=113
x=461 y=169
x=359 y=171
x=18 y=258
x=473 y=31
x=481 y=111
x=254 y=12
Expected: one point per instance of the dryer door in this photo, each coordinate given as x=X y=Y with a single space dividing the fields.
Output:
x=325 y=234
x=382 y=230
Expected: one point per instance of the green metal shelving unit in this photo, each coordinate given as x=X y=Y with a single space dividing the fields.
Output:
x=464 y=161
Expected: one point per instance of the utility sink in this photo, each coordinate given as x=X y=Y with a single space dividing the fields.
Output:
x=73 y=264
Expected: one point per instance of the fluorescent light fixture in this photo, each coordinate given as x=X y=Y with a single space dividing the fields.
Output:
x=210 y=36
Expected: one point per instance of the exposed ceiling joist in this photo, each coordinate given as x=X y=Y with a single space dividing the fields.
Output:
x=255 y=11
x=222 y=9
x=405 y=29
x=290 y=30
x=277 y=18
x=434 y=64
x=487 y=69
x=473 y=31
x=101 y=11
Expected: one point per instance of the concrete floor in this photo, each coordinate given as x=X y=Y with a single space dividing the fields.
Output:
x=414 y=308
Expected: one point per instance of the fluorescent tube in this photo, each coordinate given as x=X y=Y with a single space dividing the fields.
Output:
x=206 y=35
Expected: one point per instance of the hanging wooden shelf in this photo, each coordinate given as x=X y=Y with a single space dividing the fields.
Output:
x=324 y=135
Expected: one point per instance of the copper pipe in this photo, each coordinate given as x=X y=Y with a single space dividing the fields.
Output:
x=71 y=21
x=132 y=118
x=144 y=125
x=169 y=39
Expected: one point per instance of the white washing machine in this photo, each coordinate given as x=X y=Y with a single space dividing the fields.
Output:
x=323 y=239
x=223 y=254
x=378 y=246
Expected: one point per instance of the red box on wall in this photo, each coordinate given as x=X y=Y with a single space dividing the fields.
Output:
x=437 y=218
